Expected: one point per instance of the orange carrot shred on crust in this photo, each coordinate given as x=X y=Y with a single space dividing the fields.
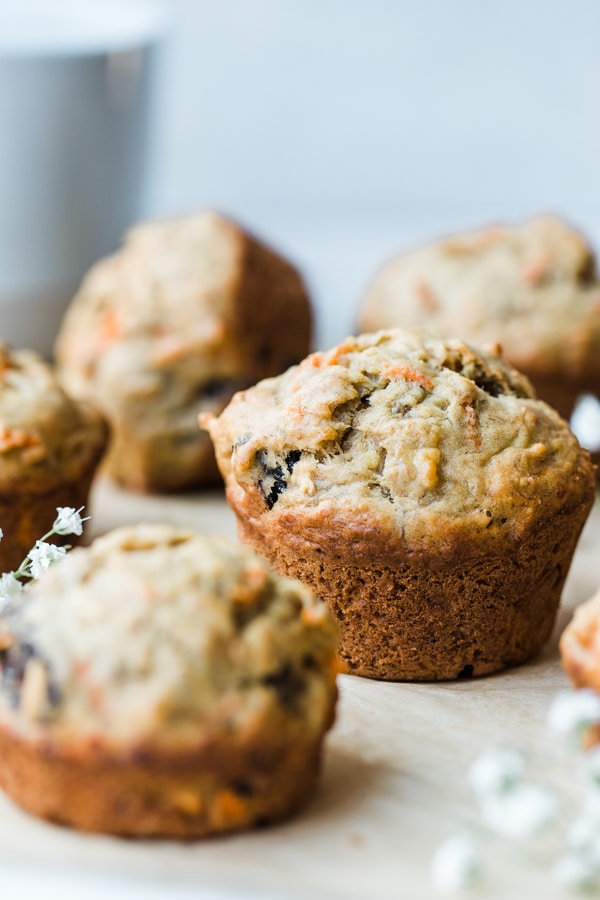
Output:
x=229 y=807
x=314 y=361
x=188 y=802
x=297 y=411
x=340 y=351
x=426 y=297
x=109 y=329
x=256 y=580
x=339 y=667
x=148 y=593
x=535 y=271
x=169 y=349
x=312 y=615
x=472 y=428
x=95 y=693
x=11 y=438
x=6 y=641
x=409 y=375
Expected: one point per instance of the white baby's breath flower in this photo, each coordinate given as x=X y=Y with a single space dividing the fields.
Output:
x=571 y=712
x=522 y=812
x=9 y=586
x=68 y=520
x=497 y=770
x=42 y=556
x=583 y=838
x=456 y=864
x=574 y=871
x=590 y=809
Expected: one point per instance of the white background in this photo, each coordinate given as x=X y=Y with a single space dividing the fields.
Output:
x=343 y=130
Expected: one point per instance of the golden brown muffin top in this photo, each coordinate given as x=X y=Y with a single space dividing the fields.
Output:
x=188 y=311
x=532 y=287
x=45 y=436
x=161 y=304
x=397 y=433
x=156 y=634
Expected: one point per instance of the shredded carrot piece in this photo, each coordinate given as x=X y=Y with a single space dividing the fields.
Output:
x=426 y=297
x=6 y=641
x=313 y=361
x=149 y=594
x=535 y=271
x=229 y=808
x=339 y=352
x=249 y=591
x=297 y=411
x=96 y=694
x=168 y=349
x=109 y=329
x=472 y=426
x=187 y=801
x=339 y=667
x=312 y=615
x=14 y=437
x=409 y=375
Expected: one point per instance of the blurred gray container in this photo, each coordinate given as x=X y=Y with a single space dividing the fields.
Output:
x=75 y=98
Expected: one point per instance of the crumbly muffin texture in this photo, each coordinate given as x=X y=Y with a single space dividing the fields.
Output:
x=185 y=314
x=157 y=635
x=532 y=287
x=50 y=446
x=421 y=437
x=421 y=490
x=160 y=683
x=45 y=436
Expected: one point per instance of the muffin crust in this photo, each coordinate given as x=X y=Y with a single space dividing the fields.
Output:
x=159 y=682
x=533 y=287
x=50 y=446
x=185 y=314
x=421 y=489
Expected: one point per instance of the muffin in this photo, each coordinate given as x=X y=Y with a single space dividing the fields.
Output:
x=532 y=287
x=50 y=446
x=185 y=314
x=421 y=490
x=580 y=645
x=159 y=683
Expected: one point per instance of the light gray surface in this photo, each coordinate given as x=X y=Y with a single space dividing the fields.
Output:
x=74 y=106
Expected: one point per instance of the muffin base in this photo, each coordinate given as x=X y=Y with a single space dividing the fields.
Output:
x=433 y=619
x=159 y=465
x=26 y=515
x=218 y=787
